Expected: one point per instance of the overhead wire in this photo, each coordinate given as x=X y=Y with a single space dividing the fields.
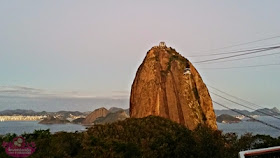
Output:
x=238 y=67
x=250 y=103
x=214 y=62
x=246 y=52
x=246 y=43
x=253 y=104
x=236 y=111
x=237 y=55
x=238 y=51
x=245 y=106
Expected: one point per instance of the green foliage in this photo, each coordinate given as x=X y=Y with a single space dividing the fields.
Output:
x=174 y=56
x=146 y=137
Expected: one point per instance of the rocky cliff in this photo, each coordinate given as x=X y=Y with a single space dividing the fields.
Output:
x=168 y=85
x=101 y=112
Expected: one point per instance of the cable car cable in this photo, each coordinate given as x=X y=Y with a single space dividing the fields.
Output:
x=262 y=122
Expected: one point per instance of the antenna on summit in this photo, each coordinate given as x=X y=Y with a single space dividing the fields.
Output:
x=162 y=44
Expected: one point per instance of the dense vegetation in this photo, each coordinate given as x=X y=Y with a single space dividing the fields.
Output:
x=147 y=137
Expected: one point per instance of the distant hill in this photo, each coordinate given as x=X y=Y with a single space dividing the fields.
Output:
x=225 y=118
x=18 y=112
x=232 y=113
x=67 y=114
x=78 y=120
x=114 y=109
x=53 y=120
x=127 y=112
x=101 y=112
x=112 y=117
x=265 y=111
x=262 y=112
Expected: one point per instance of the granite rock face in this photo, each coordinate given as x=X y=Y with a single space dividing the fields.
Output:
x=101 y=112
x=168 y=85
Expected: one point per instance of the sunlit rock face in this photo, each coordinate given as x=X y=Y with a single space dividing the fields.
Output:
x=168 y=85
x=101 y=112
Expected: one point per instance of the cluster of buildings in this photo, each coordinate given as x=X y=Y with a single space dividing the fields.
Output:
x=21 y=118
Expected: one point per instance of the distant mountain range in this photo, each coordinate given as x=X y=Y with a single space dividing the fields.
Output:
x=116 y=113
x=62 y=114
x=262 y=112
x=19 y=112
x=86 y=118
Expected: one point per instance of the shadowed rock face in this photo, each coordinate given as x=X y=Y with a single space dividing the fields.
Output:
x=112 y=117
x=163 y=88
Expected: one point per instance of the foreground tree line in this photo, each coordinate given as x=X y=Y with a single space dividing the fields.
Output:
x=146 y=137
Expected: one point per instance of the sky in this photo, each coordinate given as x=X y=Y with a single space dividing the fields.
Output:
x=85 y=49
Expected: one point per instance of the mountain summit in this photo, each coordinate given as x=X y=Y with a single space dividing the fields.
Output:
x=168 y=85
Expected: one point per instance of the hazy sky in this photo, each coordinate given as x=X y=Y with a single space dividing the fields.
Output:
x=93 y=48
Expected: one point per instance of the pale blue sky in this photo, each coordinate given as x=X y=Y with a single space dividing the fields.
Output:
x=93 y=48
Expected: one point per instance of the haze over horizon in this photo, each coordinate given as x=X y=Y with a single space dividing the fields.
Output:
x=86 y=50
